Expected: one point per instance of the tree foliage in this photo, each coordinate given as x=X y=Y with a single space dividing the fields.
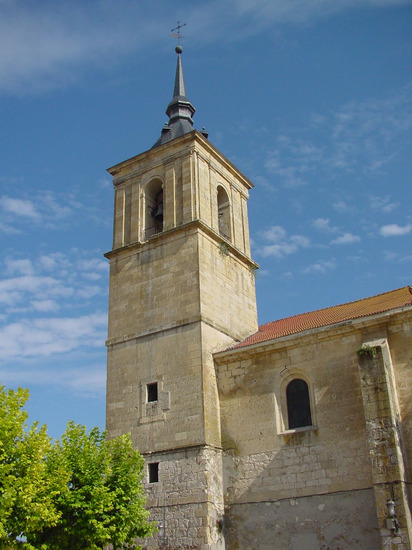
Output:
x=80 y=493
x=27 y=487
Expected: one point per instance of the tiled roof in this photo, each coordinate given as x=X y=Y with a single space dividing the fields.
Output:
x=329 y=316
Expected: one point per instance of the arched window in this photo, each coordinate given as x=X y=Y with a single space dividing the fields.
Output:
x=223 y=212
x=298 y=404
x=153 y=209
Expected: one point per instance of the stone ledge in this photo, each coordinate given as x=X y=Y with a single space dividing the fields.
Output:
x=299 y=430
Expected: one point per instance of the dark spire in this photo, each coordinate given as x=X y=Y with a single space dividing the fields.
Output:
x=179 y=110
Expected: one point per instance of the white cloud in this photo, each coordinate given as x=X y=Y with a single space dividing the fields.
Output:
x=44 y=337
x=45 y=208
x=274 y=233
x=322 y=266
x=323 y=224
x=21 y=267
x=45 y=306
x=300 y=240
x=280 y=244
x=89 y=291
x=390 y=256
x=8 y=228
x=93 y=264
x=346 y=238
x=395 y=230
x=51 y=281
x=383 y=204
x=20 y=207
x=38 y=286
x=342 y=206
x=89 y=380
x=56 y=261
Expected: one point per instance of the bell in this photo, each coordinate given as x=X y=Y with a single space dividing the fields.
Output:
x=158 y=213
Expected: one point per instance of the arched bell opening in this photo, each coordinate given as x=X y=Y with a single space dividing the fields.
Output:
x=154 y=208
x=223 y=212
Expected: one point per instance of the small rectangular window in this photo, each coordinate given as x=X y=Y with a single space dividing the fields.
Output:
x=152 y=392
x=154 y=472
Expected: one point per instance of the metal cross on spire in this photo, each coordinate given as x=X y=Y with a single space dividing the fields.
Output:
x=177 y=34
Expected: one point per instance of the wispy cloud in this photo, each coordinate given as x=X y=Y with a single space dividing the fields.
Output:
x=324 y=225
x=45 y=209
x=280 y=244
x=293 y=160
x=52 y=44
x=44 y=337
x=346 y=238
x=20 y=207
x=37 y=284
x=383 y=204
x=321 y=266
x=45 y=306
x=365 y=132
x=21 y=267
x=360 y=138
x=14 y=290
x=342 y=206
x=395 y=230
x=52 y=315
x=88 y=380
x=44 y=43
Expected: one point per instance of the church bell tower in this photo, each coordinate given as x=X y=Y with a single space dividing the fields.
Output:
x=181 y=287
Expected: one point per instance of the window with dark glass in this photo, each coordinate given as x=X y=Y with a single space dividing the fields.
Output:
x=154 y=472
x=298 y=403
x=152 y=392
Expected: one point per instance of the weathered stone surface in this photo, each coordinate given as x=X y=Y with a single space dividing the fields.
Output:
x=232 y=475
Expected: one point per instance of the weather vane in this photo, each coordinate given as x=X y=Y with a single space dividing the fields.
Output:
x=177 y=34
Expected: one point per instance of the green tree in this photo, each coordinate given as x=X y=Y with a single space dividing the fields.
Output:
x=103 y=501
x=81 y=493
x=27 y=486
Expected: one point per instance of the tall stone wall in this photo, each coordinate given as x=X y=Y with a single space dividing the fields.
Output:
x=339 y=521
x=383 y=430
x=187 y=502
x=315 y=486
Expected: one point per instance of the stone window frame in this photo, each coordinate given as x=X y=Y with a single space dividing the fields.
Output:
x=285 y=376
x=152 y=392
x=152 y=411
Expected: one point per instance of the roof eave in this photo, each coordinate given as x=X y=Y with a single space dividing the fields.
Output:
x=280 y=340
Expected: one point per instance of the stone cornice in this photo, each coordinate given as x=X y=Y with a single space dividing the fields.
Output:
x=175 y=148
x=160 y=237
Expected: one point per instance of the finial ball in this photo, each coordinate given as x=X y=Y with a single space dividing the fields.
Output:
x=178 y=49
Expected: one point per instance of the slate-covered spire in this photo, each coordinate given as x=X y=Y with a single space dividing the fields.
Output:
x=179 y=110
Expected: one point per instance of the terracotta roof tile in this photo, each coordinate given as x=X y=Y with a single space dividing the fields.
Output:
x=330 y=316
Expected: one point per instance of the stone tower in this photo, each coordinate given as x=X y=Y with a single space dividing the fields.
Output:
x=181 y=287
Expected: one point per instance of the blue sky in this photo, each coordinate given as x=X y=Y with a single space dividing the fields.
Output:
x=310 y=99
